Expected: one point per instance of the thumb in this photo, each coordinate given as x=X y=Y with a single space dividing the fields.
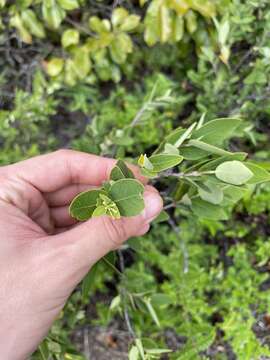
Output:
x=98 y=236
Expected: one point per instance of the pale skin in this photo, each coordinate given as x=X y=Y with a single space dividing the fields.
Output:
x=44 y=254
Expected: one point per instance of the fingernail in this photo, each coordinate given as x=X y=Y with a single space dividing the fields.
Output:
x=153 y=206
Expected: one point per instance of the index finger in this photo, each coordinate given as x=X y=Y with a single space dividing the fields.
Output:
x=56 y=170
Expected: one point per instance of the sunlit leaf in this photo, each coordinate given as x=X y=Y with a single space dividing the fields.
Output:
x=119 y=15
x=68 y=4
x=233 y=172
x=54 y=66
x=130 y=23
x=70 y=37
x=32 y=23
x=134 y=353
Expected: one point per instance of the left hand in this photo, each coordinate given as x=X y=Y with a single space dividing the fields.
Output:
x=44 y=254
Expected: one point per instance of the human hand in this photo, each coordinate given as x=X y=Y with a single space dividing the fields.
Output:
x=43 y=253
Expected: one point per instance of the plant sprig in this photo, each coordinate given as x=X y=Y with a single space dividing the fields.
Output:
x=213 y=178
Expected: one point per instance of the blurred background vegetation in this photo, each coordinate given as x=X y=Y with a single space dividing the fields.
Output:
x=79 y=73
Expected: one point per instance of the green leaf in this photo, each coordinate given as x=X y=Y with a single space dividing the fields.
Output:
x=164 y=23
x=32 y=23
x=175 y=135
x=161 y=299
x=119 y=15
x=185 y=135
x=205 y=210
x=115 y=303
x=139 y=345
x=54 y=66
x=193 y=153
x=144 y=162
x=233 y=172
x=191 y=21
x=232 y=194
x=157 y=351
x=210 y=165
x=121 y=171
x=171 y=149
x=99 y=211
x=53 y=15
x=128 y=196
x=68 y=4
x=120 y=47
x=148 y=173
x=82 y=63
x=107 y=204
x=84 y=204
x=133 y=353
x=260 y=175
x=214 y=195
x=70 y=37
x=99 y=26
x=16 y=21
x=177 y=28
x=152 y=311
x=130 y=23
x=211 y=149
x=163 y=162
x=216 y=131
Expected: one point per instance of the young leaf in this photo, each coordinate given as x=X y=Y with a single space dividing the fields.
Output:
x=216 y=131
x=99 y=211
x=233 y=172
x=145 y=163
x=163 y=162
x=106 y=206
x=205 y=210
x=128 y=196
x=84 y=204
x=121 y=171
